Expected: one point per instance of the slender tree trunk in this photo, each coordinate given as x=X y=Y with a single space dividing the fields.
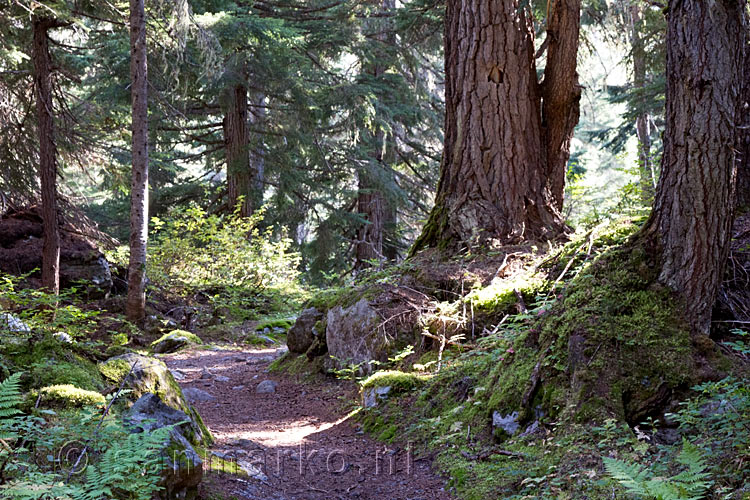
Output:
x=506 y=136
x=47 y=154
x=136 y=302
x=258 y=159
x=240 y=177
x=690 y=227
x=743 y=164
x=371 y=201
x=642 y=123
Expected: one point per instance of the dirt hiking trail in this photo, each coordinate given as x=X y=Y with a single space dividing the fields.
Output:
x=294 y=441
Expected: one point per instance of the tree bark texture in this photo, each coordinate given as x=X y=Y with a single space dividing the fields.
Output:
x=47 y=153
x=642 y=123
x=743 y=164
x=240 y=175
x=561 y=93
x=136 y=301
x=507 y=136
x=690 y=226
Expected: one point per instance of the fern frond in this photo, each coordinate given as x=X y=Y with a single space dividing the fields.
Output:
x=632 y=476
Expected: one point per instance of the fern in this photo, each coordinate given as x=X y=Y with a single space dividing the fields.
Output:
x=10 y=399
x=690 y=484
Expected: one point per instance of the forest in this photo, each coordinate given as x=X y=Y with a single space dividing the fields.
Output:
x=375 y=249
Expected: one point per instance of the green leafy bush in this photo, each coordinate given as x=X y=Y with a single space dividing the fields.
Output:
x=227 y=258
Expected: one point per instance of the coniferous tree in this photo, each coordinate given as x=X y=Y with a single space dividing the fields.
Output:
x=136 y=303
x=507 y=135
x=690 y=226
x=47 y=151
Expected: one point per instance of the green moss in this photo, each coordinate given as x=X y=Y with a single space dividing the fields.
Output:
x=499 y=298
x=114 y=370
x=612 y=346
x=285 y=323
x=69 y=396
x=398 y=381
x=191 y=337
x=79 y=372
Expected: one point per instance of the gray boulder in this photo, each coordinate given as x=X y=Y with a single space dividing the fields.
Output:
x=353 y=337
x=183 y=469
x=302 y=334
x=92 y=270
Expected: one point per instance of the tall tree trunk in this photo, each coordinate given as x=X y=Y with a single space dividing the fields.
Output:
x=506 y=137
x=258 y=156
x=47 y=153
x=743 y=165
x=136 y=302
x=690 y=226
x=240 y=177
x=642 y=123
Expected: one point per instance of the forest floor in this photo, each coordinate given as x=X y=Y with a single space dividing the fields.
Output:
x=295 y=443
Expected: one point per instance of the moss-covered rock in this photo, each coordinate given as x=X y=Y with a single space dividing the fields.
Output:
x=150 y=375
x=67 y=396
x=614 y=345
x=174 y=341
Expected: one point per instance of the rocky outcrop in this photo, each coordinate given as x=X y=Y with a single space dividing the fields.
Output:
x=81 y=261
x=301 y=336
x=353 y=337
x=151 y=376
x=182 y=469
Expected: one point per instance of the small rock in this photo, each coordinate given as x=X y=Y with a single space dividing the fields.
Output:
x=252 y=471
x=205 y=374
x=508 y=423
x=63 y=337
x=266 y=387
x=238 y=387
x=194 y=395
x=177 y=374
x=239 y=359
x=221 y=378
x=531 y=429
x=11 y=323
x=371 y=396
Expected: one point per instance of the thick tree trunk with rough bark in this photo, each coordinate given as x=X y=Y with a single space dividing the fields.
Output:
x=743 y=164
x=507 y=136
x=240 y=177
x=642 y=123
x=136 y=302
x=690 y=226
x=47 y=153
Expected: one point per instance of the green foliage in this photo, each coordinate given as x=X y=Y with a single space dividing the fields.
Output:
x=228 y=259
x=690 y=484
x=36 y=456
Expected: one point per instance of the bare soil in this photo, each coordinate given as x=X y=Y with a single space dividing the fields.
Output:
x=297 y=443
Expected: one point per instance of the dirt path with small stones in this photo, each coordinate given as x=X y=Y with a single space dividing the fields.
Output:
x=293 y=442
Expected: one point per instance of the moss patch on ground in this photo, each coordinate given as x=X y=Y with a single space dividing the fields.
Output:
x=398 y=381
x=68 y=396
